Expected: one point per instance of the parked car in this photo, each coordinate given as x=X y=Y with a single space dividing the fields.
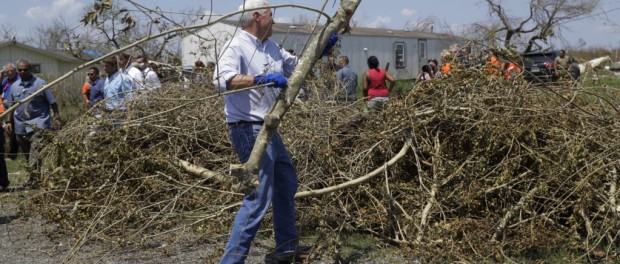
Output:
x=539 y=66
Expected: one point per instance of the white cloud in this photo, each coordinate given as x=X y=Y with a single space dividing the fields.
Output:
x=379 y=22
x=62 y=8
x=407 y=12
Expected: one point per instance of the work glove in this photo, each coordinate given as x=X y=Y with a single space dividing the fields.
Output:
x=277 y=78
x=333 y=39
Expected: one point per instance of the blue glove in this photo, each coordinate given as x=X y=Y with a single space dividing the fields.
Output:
x=330 y=44
x=277 y=78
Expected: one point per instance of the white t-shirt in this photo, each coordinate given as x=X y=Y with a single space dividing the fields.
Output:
x=143 y=79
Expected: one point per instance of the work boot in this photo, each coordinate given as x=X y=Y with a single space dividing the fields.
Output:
x=301 y=253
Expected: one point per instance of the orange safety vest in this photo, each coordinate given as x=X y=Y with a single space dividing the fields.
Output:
x=511 y=69
x=445 y=68
x=493 y=65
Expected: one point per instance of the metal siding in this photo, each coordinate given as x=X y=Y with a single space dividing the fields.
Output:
x=14 y=53
x=351 y=46
x=203 y=44
x=69 y=66
x=383 y=49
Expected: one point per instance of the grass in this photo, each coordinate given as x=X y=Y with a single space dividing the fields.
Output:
x=604 y=89
x=606 y=81
x=18 y=177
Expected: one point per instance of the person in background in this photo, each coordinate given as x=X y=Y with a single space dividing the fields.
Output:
x=118 y=87
x=511 y=70
x=96 y=90
x=10 y=77
x=148 y=79
x=4 y=174
x=426 y=74
x=135 y=75
x=35 y=113
x=446 y=65
x=86 y=92
x=562 y=64
x=434 y=67
x=492 y=65
x=329 y=78
x=346 y=78
x=199 y=71
x=374 y=84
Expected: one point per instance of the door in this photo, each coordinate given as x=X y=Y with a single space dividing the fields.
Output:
x=422 y=53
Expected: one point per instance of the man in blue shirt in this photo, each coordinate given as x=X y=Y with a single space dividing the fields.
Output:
x=34 y=113
x=96 y=88
x=346 y=79
x=118 y=87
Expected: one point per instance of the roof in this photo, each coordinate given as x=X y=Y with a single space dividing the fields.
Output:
x=356 y=31
x=46 y=52
x=363 y=31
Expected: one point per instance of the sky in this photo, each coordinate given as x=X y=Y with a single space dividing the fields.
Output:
x=601 y=29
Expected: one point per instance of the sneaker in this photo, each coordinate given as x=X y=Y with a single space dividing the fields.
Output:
x=301 y=253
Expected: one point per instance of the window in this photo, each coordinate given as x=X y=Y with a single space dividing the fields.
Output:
x=399 y=55
x=36 y=68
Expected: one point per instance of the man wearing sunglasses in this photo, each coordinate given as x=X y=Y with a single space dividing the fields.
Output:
x=34 y=113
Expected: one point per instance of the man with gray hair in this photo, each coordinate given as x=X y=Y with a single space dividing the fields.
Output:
x=252 y=59
x=35 y=113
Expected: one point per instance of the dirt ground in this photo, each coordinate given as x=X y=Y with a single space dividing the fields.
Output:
x=23 y=240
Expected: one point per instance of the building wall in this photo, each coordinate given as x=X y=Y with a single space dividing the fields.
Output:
x=46 y=63
x=65 y=67
x=206 y=44
x=357 y=48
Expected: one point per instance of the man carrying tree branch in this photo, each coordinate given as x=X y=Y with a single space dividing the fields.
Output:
x=251 y=59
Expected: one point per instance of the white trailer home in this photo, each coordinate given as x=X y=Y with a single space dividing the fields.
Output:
x=405 y=51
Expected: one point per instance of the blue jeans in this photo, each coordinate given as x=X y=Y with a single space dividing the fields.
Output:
x=278 y=185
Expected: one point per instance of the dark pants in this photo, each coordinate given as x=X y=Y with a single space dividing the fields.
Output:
x=4 y=175
x=13 y=145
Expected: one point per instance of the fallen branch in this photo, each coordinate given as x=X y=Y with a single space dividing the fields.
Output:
x=434 y=188
x=499 y=230
x=202 y=172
